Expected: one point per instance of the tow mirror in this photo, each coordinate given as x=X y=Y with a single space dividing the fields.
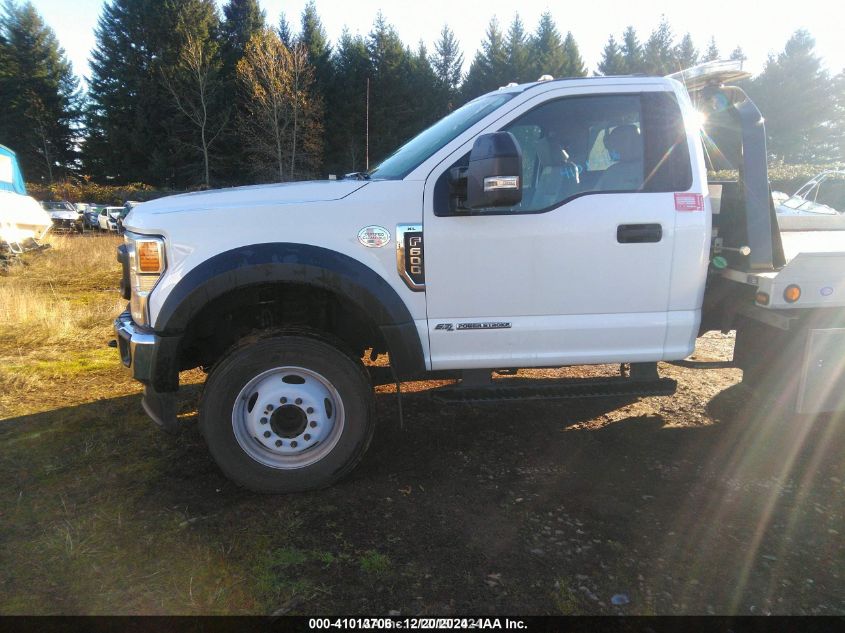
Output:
x=494 y=174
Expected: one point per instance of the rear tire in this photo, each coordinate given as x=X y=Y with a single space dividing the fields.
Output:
x=286 y=413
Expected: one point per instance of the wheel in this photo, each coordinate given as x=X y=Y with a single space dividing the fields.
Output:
x=285 y=413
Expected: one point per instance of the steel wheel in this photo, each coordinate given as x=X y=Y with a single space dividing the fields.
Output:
x=288 y=417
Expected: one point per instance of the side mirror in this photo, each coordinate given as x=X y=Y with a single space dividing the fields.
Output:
x=494 y=174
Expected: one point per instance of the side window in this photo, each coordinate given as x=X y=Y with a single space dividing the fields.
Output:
x=593 y=144
x=579 y=145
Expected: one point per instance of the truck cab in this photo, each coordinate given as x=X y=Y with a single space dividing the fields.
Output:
x=560 y=222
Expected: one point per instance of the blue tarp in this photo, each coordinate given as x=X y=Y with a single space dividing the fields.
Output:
x=11 y=178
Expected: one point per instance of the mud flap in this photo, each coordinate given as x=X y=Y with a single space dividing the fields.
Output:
x=161 y=407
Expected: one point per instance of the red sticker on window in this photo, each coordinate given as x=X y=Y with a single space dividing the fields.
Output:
x=689 y=202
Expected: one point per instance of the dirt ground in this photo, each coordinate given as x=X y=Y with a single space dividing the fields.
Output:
x=698 y=503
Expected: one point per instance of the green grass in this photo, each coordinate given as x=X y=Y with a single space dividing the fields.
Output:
x=372 y=562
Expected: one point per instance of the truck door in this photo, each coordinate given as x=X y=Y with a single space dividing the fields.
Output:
x=580 y=271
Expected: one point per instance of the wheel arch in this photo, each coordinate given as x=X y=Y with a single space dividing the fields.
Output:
x=347 y=280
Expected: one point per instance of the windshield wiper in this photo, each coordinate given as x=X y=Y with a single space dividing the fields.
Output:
x=357 y=175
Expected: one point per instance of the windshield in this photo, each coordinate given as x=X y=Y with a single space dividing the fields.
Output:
x=405 y=159
x=57 y=206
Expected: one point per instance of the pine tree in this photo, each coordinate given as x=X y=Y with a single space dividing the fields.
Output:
x=41 y=102
x=547 y=52
x=685 y=53
x=489 y=67
x=346 y=106
x=738 y=54
x=712 y=53
x=797 y=129
x=135 y=131
x=447 y=63
x=632 y=52
x=241 y=20
x=312 y=37
x=658 y=51
x=574 y=66
x=393 y=112
x=612 y=61
x=425 y=84
x=518 y=59
x=285 y=33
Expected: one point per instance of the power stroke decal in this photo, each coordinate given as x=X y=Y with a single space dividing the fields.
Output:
x=485 y=325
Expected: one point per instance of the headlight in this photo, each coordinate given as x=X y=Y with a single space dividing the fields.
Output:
x=146 y=264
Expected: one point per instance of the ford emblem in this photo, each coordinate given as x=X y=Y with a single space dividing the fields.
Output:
x=374 y=236
x=826 y=291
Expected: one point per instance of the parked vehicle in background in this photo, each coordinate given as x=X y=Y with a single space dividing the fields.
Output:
x=108 y=218
x=92 y=217
x=65 y=216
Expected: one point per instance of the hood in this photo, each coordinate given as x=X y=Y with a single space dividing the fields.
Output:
x=251 y=196
x=63 y=214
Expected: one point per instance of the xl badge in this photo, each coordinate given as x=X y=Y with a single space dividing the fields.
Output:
x=374 y=236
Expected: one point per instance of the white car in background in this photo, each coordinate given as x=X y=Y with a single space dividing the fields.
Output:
x=108 y=218
x=65 y=216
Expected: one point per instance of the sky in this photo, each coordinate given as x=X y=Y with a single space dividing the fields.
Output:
x=761 y=28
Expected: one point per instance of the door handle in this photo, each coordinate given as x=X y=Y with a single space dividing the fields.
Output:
x=638 y=233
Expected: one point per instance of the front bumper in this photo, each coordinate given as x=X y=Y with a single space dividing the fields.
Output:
x=141 y=352
x=137 y=347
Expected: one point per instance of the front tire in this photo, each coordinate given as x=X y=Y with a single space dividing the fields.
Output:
x=287 y=413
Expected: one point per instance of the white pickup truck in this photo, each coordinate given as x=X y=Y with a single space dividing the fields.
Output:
x=555 y=223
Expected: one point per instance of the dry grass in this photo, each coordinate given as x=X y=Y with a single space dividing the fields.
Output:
x=56 y=309
x=55 y=297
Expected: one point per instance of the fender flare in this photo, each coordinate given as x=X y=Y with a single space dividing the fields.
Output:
x=303 y=264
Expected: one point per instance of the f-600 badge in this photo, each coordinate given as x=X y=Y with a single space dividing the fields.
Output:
x=410 y=255
x=486 y=325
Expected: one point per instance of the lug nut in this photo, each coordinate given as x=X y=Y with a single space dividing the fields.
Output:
x=266 y=433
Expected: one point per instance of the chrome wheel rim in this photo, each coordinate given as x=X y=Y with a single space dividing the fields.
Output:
x=288 y=417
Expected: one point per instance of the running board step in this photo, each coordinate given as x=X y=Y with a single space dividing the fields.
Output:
x=511 y=389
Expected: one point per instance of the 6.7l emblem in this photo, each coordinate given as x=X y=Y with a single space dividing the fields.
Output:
x=374 y=236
